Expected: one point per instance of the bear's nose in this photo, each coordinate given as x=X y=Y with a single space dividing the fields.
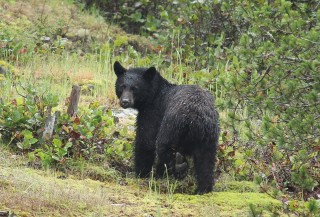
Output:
x=125 y=103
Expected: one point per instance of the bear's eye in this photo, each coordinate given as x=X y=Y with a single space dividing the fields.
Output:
x=122 y=87
x=134 y=88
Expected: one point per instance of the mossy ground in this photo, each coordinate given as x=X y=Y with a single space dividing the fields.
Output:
x=31 y=192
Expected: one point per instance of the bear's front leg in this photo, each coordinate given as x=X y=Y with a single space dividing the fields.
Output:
x=144 y=156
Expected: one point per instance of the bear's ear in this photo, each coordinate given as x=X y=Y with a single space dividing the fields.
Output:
x=118 y=69
x=150 y=73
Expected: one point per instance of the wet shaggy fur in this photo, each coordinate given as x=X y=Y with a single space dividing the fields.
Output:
x=171 y=118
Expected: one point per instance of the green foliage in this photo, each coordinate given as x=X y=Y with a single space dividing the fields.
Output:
x=28 y=140
x=302 y=179
x=263 y=61
x=188 y=31
x=91 y=134
x=254 y=211
x=313 y=206
x=273 y=89
x=309 y=208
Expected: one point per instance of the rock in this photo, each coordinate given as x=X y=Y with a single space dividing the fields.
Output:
x=4 y=213
x=79 y=34
x=125 y=113
x=2 y=71
x=83 y=33
x=118 y=204
x=45 y=39
x=125 y=117
x=14 y=156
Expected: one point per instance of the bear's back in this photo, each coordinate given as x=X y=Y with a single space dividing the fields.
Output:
x=190 y=107
x=189 y=100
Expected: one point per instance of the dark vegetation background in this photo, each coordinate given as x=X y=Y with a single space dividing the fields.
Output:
x=261 y=60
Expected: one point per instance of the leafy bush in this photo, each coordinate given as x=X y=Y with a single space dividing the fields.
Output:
x=272 y=91
x=92 y=134
x=187 y=31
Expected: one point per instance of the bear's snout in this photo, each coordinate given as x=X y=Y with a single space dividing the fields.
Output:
x=125 y=103
x=126 y=99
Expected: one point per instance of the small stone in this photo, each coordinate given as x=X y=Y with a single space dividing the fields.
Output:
x=4 y=213
x=118 y=204
x=83 y=33
x=45 y=39
x=2 y=71
x=14 y=156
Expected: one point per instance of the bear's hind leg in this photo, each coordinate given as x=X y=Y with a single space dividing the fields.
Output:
x=165 y=163
x=204 y=165
x=165 y=152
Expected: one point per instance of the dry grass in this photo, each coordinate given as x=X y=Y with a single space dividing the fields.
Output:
x=30 y=192
x=37 y=193
x=57 y=74
x=65 y=17
x=52 y=12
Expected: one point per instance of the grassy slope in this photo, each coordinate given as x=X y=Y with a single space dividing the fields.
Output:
x=27 y=21
x=30 y=192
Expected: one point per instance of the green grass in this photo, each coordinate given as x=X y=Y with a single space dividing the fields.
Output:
x=31 y=192
x=57 y=73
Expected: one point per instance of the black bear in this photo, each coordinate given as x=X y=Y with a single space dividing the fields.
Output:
x=171 y=119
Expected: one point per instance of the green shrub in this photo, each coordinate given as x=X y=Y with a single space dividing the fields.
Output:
x=272 y=91
x=90 y=134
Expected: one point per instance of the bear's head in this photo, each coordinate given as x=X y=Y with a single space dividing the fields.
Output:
x=134 y=87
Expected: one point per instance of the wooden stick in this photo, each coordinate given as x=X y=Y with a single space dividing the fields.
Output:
x=49 y=125
x=74 y=100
